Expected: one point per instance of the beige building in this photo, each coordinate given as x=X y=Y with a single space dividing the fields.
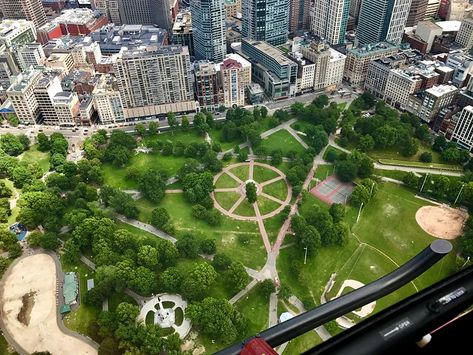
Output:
x=21 y=95
x=107 y=101
x=235 y=72
x=427 y=104
x=357 y=60
x=427 y=31
x=30 y=55
x=61 y=61
x=399 y=86
x=66 y=105
x=232 y=8
x=465 y=34
x=155 y=82
x=32 y=10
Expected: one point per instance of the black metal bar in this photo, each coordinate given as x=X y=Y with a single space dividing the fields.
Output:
x=302 y=323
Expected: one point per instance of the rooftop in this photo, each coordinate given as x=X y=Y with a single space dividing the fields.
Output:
x=233 y=60
x=183 y=23
x=79 y=16
x=441 y=90
x=8 y=27
x=371 y=49
x=162 y=51
x=271 y=51
x=449 y=26
x=23 y=80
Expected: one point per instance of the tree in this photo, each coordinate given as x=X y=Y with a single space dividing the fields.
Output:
x=153 y=128
x=276 y=157
x=188 y=246
x=208 y=246
x=360 y=195
x=148 y=256
x=320 y=101
x=200 y=122
x=43 y=142
x=340 y=233
x=337 y=211
x=11 y=144
x=140 y=129
x=171 y=279
x=221 y=262
x=185 y=123
x=5 y=191
x=152 y=184
x=250 y=189
x=198 y=186
x=218 y=319
x=242 y=156
x=143 y=280
x=198 y=281
x=160 y=217
x=267 y=288
x=317 y=137
x=426 y=157
x=34 y=239
x=263 y=111
x=366 y=143
x=172 y=121
x=126 y=313
x=346 y=170
x=49 y=241
x=236 y=276
x=439 y=143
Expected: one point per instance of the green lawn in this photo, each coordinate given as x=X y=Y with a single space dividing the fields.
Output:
x=332 y=149
x=277 y=189
x=262 y=174
x=252 y=255
x=392 y=174
x=16 y=210
x=254 y=306
x=116 y=177
x=241 y=172
x=302 y=343
x=216 y=135
x=116 y=298
x=324 y=171
x=245 y=209
x=227 y=199
x=418 y=164
x=5 y=349
x=282 y=140
x=80 y=319
x=266 y=205
x=33 y=155
x=178 y=136
x=225 y=181
x=273 y=226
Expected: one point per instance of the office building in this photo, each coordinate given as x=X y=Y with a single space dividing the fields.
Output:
x=329 y=19
x=428 y=31
x=299 y=16
x=111 y=9
x=208 y=24
x=432 y=9
x=32 y=10
x=107 y=101
x=44 y=92
x=208 y=89
x=235 y=72
x=355 y=8
x=416 y=12
x=462 y=63
x=63 y=62
x=155 y=82
x=358 y=59
x=182 y=31
x=66 y=105
x=276 y=73
x=463 y=132
x=465 y=34
x=30 y=55
x=382 y=20
x=80 y=22
x=16 y=32
x=137 y=12
x=21 y=95
x=266 y=20
x=232 y=8
x=427 y=104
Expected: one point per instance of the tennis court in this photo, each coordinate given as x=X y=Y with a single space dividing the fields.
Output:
x=332 y=190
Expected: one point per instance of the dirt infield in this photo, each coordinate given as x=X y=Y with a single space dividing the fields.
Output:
x=441 y=221
x=28 y=308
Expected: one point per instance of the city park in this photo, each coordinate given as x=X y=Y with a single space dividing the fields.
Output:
x=199 y=236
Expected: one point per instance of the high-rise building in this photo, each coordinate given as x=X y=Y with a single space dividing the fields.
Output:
x=208 y=29
x=44 y=92
x=107 y=101
x=463 y=132
x=31 y=54
x=208 y=88
x=32 y=10
x=235 y=74
x=329 y=19
x=355 y=8
x=432 y=9
x=155 y=82
x=66 y=105
x=300 y=16
x=417 y=12
x=137 y=12
x=465 y=34
x=266 y=20
x=382 y=20
x=22 y=96
x=182 y=31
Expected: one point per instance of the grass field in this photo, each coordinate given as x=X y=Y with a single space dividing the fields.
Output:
x=225 y=181
x=302 y=343
x=33 y=155
x=254 y=306
x=116 y=177
x=252 y=255
x=273 y=226
x=80 y=319
x=245 y=209
x=418 y=164
x=277 y=189
x=324 y=171
x=185 y=137
x=373 y=249
x=393 y=174
x=227 y=199
x=282 y=140
x=241 y=172
x=332 y=149
x=4 y=348
x=266 y=205
x=262 y=174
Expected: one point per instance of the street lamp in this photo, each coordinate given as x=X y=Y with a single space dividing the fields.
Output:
x=305 y=255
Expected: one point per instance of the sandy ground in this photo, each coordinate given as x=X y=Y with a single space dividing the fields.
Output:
x=37 y=274
x=366 y=309
x=441 y=221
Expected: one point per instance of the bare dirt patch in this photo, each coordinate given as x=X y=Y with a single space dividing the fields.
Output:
x=441 y=221
x=28 y=309
x=24 y=315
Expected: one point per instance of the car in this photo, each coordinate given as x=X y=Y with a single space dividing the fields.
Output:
x=40 y=130
x=86 y=133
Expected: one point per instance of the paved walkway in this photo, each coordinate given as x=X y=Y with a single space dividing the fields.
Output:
x=295 y=134
x=321 y=331
x=146 y=227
